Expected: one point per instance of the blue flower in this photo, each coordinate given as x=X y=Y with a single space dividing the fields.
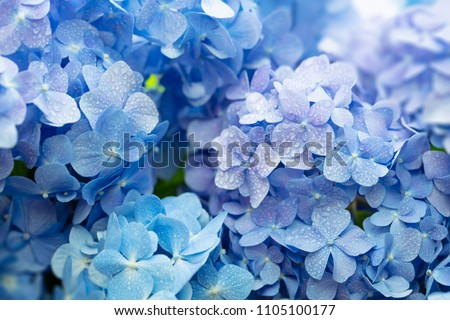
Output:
x=128 y=258
x=399 y=250
x=52 y=180
x=265 y=263
x=329 y=235
x=230 y=282
x=437 y=168
x=15 y=282
x=80 y=251
x=392 y=287
x=79 y=288
x=279 y=45
x=363 y=160
x=317 y=195
x=24 y=22
x=270 y=219
x=432 y=233
x=440 y=274
x=162 y=20
x=35 y=226
x=58 y=107
x=16 y=89
x=120 y=88
x=244 y=166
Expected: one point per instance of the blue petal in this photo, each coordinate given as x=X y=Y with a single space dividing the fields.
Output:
x=320 y=112
x=367 y=172
x=142 y=112
x=220 y=43
x=114 y=233
x=442 y=276
x=407 y=244
x=270 y=273
x=6 y=164
x=436 y=164
x=130 y=285
x=9 y=135
x=110 y=262
x=382 y=218
x=246 y=30
x=173 y=234
x=207 y=276
x=304 y=237
x=316 y=262
x=324 y=289
x=54 y=178
x=165 y=275
x=344 y=266
x=255 y=237
x=57 y=149
x=234 y=282
x=136 y=241
x=217 y=9
x=230 y=179
x=336 y=171
x=258 y=187
x=89 y=158
x=58 y=108
x=354 y=242
x=148 y=208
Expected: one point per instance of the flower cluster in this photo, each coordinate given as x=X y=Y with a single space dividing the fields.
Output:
x=317 y=179
x=405 y=59
x=297 y=152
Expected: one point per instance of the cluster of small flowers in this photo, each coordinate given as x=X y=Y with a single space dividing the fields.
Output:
x=297 y=152
x=325 y=185
x=406 y=59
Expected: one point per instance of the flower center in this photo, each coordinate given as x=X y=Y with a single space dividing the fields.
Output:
x=20 y=16
x=9 y=282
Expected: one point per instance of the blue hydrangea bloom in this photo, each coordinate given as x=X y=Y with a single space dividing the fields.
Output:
x=230 y=282
x=24 y=22
x=329 y=235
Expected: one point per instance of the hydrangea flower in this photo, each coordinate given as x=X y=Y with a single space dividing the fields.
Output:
x=230 y=282
x=58 y=107
x=24 y=22
x=363 y=160
x=244 y=168
x=329 y=235
x=17 y=89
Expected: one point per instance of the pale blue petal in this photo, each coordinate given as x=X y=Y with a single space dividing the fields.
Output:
x=354 y=242
x=136 y=241
x=316 y=262
x=110 y=262
x=255 y=237
x=142 y=112
x=173 y=234
x=270 y=273
x=217 y=9
x=344 y=266
x=58 y=108
x=324 y=289
x=304 y=237
x=234 y=282
x=130 y=285
x=88 y=159
x=442 y=276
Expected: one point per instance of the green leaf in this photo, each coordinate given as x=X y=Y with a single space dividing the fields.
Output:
x=167 y=188
x=20 y=169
